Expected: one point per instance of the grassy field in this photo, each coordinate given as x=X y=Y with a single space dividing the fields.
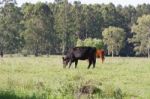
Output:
x=44 y=78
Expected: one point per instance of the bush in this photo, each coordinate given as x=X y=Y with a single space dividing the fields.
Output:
x=89 y=42
x=25 y=53
x=80 y=43
x=98 y=43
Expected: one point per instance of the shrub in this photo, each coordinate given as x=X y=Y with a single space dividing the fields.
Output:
x=98 y=43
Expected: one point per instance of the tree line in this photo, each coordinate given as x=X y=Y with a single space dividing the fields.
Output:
x=53 y=28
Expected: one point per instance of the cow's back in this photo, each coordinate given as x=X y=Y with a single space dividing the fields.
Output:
x=83 y=52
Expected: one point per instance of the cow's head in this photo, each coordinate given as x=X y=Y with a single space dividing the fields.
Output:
x=65 y=61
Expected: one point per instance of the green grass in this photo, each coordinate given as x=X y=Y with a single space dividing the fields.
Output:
x=45 y=78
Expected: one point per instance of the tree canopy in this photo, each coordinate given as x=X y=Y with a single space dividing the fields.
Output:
x=52 y=28
x=141 y=36
x=114 y=39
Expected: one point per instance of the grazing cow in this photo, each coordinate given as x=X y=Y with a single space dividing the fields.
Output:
x=100 y=54
x=80 y=53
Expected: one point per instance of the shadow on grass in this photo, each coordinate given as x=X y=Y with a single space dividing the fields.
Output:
x=13 y=95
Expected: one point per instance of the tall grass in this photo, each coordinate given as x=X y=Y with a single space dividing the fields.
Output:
x=45 y=78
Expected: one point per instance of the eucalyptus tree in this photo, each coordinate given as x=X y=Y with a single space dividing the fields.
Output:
x=78 y=19
x=38 y=22
x=141 y=36
x=10 y=28
x=143 y=9
x=64 y=25
x=114 y=39
x=109 y=15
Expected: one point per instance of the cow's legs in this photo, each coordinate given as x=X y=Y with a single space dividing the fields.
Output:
x=94 y=61
x=103 y=59
x=70 y=64
x=90 y=62
x=76 y=62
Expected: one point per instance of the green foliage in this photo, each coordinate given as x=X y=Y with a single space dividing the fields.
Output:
x=114 y=38
x=52 y=28
x=109 y=14
x=80 y=42
x=88 y=42
x=10 y=29
x=141 y=37
x=98 y=43
x=38 y=33
x=25 y=52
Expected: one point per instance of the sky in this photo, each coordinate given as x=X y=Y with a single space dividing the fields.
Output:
x=116 y=2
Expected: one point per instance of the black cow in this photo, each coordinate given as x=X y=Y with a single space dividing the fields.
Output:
x=80 y=53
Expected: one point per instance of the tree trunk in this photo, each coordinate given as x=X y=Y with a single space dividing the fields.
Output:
x=1 y=53
x=112 y=52
x=109 y=52
x=63 y=49
x=48 y=53
x=148 y=52
x=36 y=51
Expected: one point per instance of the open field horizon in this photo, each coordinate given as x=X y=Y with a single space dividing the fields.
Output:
x=45 y=78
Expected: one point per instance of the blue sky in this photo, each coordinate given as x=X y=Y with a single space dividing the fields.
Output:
x=116 y=2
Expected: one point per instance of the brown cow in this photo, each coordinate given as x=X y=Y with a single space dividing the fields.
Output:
x=100 y=54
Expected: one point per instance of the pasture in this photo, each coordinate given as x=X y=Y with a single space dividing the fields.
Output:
x=45 y=78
